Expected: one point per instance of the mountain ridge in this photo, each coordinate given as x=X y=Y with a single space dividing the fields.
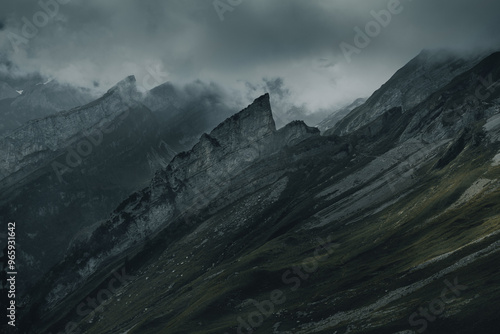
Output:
x=409 y=86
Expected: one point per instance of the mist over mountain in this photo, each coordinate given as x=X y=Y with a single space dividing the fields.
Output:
x=331 y=120
x=91 y=44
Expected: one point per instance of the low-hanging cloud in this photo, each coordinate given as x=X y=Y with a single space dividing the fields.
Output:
x=95 y=43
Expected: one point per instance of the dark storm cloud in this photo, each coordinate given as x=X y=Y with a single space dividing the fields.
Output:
x=96 y=43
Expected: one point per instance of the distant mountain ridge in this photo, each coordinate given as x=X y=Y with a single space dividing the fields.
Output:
x=409 y=86
x=42 y=138
x=330 y=121
x=38 y=101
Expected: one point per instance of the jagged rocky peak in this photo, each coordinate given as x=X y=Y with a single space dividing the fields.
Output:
x=127 y=83
x=301 y=126
x=126 y=89
x=250 y=133
x=251 y=124
x=247 y=134
x=239 y=140
x=293 y=133
x=248 y=130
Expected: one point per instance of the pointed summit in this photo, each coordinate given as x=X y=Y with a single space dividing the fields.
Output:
x=125 y=90
x=260 y=105
x=124 y=85
x=252 y=123
x=262 y=101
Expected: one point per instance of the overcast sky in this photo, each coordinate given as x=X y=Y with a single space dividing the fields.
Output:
x=289 y=46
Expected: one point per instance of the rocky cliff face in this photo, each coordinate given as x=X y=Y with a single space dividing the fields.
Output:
x=55 y=168
x=40 y=139
x=412 y=84
x=459 y=105
x=204 y=172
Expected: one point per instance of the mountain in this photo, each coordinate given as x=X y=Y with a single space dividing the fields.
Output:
x=37 y=101
x=409 y=86
x=64 y=173
x=57 y=167
x=392 y=227
x=338 y=115
x=43 y=138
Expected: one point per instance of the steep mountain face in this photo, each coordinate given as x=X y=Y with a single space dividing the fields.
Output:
x=37 y=101
x=40 y=139
x=412 y=84
x=391 y=228
x=330 y=121
x=56 y=168
x=468 y=99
